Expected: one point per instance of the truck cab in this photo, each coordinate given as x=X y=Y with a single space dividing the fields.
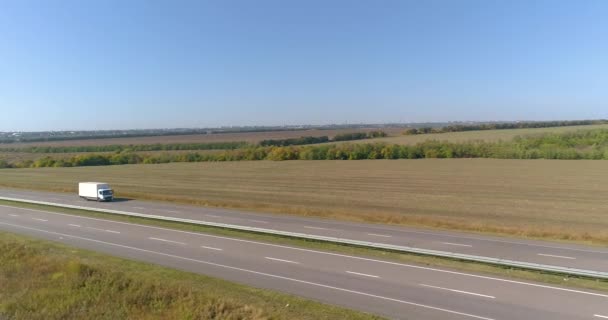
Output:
x=105 y=195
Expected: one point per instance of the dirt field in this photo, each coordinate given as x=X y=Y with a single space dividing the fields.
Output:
x=537 y=198
x=252 y=137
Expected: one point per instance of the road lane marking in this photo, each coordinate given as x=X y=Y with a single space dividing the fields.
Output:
x=38 y=219
x=171 y=211
x=459 y=291
x=212 y=248
x=470 y=275
x=104 y=230
x=320 y=285
x=379 y=235
x=212 y=216
x=13 y=215
x=600 y=316
x=258 y=221
x=281 y=260
x=97 y=229
x=363 y=274
x=554 y=256
x=457 y=244
x=316 y=228
x=74 y=225
x=139 y=208
x=165 y=240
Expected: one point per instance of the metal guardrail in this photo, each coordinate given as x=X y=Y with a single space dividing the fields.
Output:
x=445 y=254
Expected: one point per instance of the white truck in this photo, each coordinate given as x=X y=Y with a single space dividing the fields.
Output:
x=97 y=191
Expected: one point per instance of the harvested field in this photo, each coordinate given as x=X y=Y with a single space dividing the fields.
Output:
x=531 y=198
x=252 y=137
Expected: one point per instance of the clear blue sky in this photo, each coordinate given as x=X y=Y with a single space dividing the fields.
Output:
x=146 y=64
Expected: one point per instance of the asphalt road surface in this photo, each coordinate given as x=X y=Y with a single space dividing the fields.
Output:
x=395 y=290
x=542 y=252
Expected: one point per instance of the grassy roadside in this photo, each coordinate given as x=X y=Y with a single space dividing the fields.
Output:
x=454 y=264
x=44 y=280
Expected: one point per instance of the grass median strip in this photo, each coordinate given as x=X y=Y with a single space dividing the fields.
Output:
x=44 y=280
x=488 y=269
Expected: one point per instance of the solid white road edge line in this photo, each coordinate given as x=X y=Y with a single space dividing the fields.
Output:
x=554 y=256
x=328 y=253
x=212 y=248
x=362 y=274
x=281 y=260
x=255 y=272
x=457 y=244
x=458 y=291
x=165 y=240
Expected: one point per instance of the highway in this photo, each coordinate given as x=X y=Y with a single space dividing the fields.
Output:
x=394 y=290
x=542 y=252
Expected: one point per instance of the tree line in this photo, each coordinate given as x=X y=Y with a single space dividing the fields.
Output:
x=502 y=126
x=314 y=140
x=131 y=148
x=591 y=144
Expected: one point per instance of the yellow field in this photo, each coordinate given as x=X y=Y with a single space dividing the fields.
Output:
x=485 y=135
x=537 y=198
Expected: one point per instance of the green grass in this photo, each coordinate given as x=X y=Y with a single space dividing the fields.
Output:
x=454 y=264
x=558 y=200
x=44 y=280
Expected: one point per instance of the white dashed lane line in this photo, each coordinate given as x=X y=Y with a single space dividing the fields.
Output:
x=257 y=221
x=74 y=225
x=165 y=240
x=281 y=260
x=38 y=219
x=315 y=228
x=457 y=244
x=104 y=230
x=212 y=248
x=555 y=256
x=458 y=291
x=379 y=235
x=363 y=274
